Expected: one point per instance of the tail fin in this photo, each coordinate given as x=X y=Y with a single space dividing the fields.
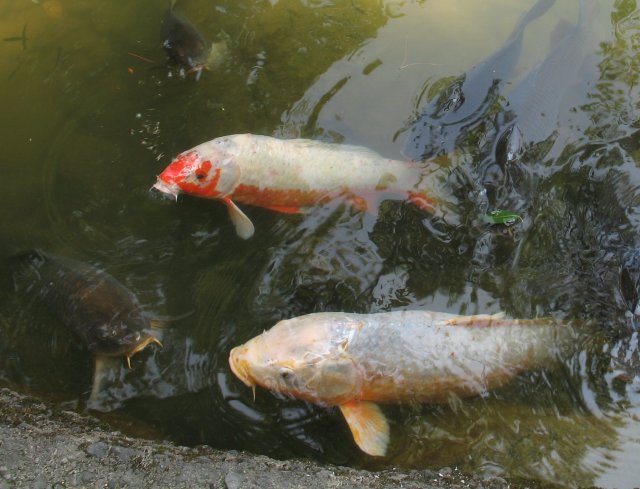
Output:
x=423 y=201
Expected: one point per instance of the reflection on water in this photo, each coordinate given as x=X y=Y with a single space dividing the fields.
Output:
x=87 y=126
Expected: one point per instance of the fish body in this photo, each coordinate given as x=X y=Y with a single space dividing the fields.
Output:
x=102 y=312
x=183 y=43
x=289 y=175
x=355 y=361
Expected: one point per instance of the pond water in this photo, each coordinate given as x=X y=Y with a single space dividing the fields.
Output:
x=543 y=125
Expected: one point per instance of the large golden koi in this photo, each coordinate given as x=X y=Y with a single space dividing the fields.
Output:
x=354 y=361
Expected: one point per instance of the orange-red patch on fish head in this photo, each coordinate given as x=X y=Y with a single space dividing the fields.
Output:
x=178 y=169
x=201 y=177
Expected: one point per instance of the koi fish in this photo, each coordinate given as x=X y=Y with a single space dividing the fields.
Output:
x=103 y=313
x=355 y=361
x=289 y=175
x=185 y=45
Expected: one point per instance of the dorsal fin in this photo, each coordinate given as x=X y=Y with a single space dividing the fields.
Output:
x=476 y=320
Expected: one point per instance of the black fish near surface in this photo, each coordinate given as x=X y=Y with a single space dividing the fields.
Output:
x=183 y=43
x=103 y=313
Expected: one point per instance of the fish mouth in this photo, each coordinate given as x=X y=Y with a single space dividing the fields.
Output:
x=166 y=188
x=240 y=367
x=141 y=346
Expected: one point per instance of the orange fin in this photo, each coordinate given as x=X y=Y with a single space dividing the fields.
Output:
x=368 y=426
x=476 y=320
x=366 y=202
x=359 y=203
x=284 y=209
x=422 y=201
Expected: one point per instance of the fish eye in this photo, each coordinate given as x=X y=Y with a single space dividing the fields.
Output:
x=285 y=375
x=200 y=175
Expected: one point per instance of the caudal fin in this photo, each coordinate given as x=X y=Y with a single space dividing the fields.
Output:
x=421 y=200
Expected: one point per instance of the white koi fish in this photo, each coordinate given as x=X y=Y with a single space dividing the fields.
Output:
x=355 y=361
x=289 y=175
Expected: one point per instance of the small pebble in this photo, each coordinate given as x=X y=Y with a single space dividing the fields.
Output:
x=97 y=449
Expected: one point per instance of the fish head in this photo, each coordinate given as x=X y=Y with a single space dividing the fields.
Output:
x=120 y=338
x=204 y=171
x=301 y=358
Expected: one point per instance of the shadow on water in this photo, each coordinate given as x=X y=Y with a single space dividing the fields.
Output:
x=454 y=105
x=573 y=254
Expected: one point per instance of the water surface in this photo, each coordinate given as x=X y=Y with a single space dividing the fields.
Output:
x=86 y=127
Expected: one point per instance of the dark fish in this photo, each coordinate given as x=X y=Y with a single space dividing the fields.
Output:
x=102 y=312
x=467 y=98
x=182 y=42
x=23 y=38
x=536 y=102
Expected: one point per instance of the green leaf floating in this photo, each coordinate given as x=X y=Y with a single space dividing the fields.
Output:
x=507 y=218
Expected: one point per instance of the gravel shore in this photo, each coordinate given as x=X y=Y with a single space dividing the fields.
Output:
x=45 y=446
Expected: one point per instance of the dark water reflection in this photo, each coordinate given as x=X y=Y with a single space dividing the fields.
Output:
x=86 y=128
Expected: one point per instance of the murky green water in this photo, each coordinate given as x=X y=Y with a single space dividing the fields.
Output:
x=86 y=127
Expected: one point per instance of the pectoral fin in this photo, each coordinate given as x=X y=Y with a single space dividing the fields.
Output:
x=104 y=369
x=141 y=346
x=244 y=226
x=368 y=426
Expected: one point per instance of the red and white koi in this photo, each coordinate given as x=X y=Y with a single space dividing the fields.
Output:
x=354 y=361
x=289 y=175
